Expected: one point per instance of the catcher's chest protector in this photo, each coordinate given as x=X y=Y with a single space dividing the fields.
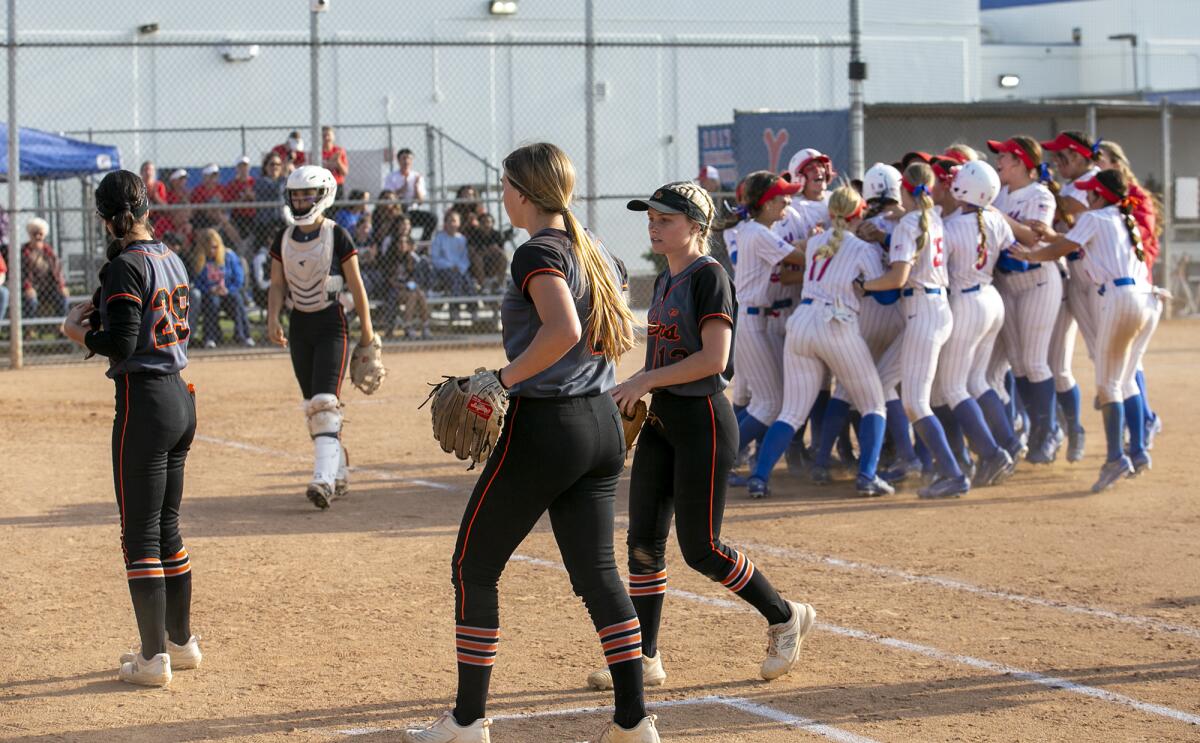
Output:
x=306 y=266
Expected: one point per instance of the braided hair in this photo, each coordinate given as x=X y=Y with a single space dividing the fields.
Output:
x=918 y=181
x=1118 y=186
x=845 y=205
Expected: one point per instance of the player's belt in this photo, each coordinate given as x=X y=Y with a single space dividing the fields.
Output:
x=805 y=301
x=970 y=289
x=1123 y=281
x=927 y=290
x=1074 y=255
x=772 y=311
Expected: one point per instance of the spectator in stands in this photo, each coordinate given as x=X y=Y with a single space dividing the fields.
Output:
x=333 y=158
x=176 y=245
x=241 y=188
x=42 y=283
x=220 y=283
x=466 y=203
x=3 y=289
x=269 y=187
x=408 y=279
x=210 y=191
x=489 y=264
x=348 y=216
x=451 y=261
x=260 y=275
x=156 y=192
x=409 y=186
x=709 y=179
x=178 y=221
x=291 y=151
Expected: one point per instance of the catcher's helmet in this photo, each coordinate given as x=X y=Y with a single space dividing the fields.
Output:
x=305 y=178
x=881 y=181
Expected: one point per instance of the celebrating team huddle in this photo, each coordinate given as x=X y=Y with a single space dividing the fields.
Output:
x=942 y=297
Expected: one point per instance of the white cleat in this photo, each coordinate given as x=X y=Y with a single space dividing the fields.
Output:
x=183 y=657
x=784 y=640
x=341 y=484
x=644 y=732
x=447 y=730
x=652 y=674
x=153 y=672
x=320 y=493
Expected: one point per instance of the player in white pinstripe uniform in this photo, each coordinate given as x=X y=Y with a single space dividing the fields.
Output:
x=918 y=265
x=823 y=336
x=1123 y=304
x=974 y=237
x=1032 y=291
x=879 y=319
x=1074 y=155
x=760 y=354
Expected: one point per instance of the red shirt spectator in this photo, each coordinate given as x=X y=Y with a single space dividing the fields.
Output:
x=333 y=156
x=156 y=192
x=291 y=150
x=178 y=222
x=241 y=188
x=40 y=269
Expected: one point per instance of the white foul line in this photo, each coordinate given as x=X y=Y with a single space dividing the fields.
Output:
x=1151 y=623
x=743 y=705
x=958 y=585
x=932 y=652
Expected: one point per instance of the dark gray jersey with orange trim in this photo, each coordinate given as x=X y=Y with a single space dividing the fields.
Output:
x=582 y=371
x=681 y=305
x=150 y=275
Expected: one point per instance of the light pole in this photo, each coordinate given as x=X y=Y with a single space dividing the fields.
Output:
x=1132 y=39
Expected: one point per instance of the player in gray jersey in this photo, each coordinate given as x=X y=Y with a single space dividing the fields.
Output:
x=139 y=322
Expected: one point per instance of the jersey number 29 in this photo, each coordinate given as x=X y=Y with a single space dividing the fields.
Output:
x=172 y=327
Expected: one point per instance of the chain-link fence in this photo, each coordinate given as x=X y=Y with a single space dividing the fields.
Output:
x=223 y=114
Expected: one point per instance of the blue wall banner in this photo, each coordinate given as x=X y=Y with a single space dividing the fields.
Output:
x=767 y=140
x=716 y=149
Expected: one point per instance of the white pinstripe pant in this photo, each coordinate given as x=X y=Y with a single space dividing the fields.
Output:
x=880 y=326
x=1080 y=290
x=928 y=324
x=760 y=361
x=963 y=364
x=816 y=346
x=1125 y=321
x=1031 y=303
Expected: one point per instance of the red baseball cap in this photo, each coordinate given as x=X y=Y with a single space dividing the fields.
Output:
x=1013 y=148
x=1094 y=184
x=956 y=156
x=780 y=186
x=1065 y=141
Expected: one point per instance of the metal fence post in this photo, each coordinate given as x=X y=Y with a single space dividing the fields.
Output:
x=1092 y=126
x=858 y=73
x=1164 y=257
x=432 y=172
x=314 y=83
x=589 y=84
x=16 y=337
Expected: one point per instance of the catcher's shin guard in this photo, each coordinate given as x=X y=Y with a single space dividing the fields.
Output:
x=325 y=426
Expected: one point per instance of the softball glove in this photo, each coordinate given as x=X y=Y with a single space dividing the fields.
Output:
x=366 y=366
x=633 y=423
x=468 y=414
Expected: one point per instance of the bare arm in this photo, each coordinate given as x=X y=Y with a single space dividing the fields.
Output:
x=796 y=257
x=559 y=333
x=1056 y=249
x=361 y=304
x=896 y=277
x=1025 y=234
x=275 y=304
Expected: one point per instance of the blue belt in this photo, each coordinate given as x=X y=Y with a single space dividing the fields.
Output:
x=781 y=304
x=970 y=289
x=1074 y=255
x=927 y=290
x=1123 y=281
x=805 y=301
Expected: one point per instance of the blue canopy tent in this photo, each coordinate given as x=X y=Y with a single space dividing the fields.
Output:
x=46 y=156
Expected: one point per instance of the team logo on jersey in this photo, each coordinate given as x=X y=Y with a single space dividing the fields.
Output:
x=664 y=332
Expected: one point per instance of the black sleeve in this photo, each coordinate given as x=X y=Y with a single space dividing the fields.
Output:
x=277 y=244
x=535 y=258
x=343 y=244
x=119 y=340
x=712 y=295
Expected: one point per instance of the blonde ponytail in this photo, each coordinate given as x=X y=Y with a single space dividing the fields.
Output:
x=918 y=181
x=845 y=204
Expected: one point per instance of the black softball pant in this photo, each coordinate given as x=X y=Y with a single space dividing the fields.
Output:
x=320 y=346
x=684 y=455
x=152 y=432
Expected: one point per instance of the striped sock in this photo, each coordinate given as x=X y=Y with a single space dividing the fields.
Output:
x=177 y=574
x=753 y=587
x=622 y=642
x=476 y=651
x=148 y=592
x=647 y=592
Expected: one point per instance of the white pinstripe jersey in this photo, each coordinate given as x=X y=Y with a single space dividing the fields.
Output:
x=759 y=250
x=832 y=279
x=884 y=223
x=1033 y=201
x=970 y=264
x=1071 y=191
x=928 y=266
x=814 y=212
x=1106 y=247
x=793 y=225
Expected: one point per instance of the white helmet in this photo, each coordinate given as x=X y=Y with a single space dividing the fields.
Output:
x=804 y=157
x=882 y=181
x=976 y=184
x=309 y=177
